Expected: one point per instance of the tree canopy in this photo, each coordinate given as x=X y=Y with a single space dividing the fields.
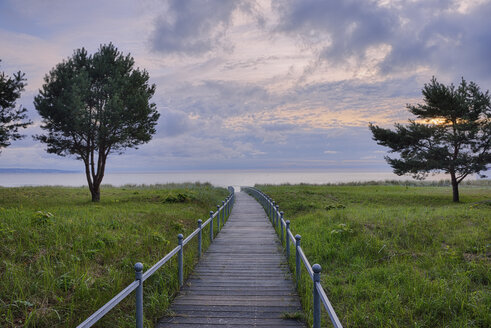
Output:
x=452 y=134
x=11 y=118
x=94 y=105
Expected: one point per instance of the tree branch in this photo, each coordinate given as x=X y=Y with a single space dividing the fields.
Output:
x=462 y=177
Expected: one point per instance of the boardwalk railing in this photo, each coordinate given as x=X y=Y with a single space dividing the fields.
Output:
x=276 y=217
x=222 y=212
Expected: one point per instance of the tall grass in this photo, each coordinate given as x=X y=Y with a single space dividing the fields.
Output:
x=395 y=255
x=62 y=256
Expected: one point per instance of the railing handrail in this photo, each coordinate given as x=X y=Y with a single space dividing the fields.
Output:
x=327 y=305
x=292 y=238
x=161 y=262
x=306 y=262
x=272 y=210
x=194 y=233
x=109 y=305
x=138 y=282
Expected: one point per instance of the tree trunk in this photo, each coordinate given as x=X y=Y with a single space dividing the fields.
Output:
x=94 y=184
x=455 y=187
x=96 y=193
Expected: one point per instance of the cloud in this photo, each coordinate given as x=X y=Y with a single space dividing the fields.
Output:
x=17 y=54
x=346 y=28
x=297 y=91
x=442 y=36
x=215 y=99
x=196 y=27
x=449 y=41
x=173 y=123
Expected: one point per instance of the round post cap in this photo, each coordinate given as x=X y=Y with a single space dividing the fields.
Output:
x=298 y=237
x=180 y=236
x=317 y=268
x=138 y=267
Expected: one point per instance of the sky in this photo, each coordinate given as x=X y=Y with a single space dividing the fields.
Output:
x=254 y=84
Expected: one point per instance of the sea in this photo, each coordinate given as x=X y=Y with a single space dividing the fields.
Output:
x=235 y=178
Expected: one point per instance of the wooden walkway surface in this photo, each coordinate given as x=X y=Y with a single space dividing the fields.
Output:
x=241 y=281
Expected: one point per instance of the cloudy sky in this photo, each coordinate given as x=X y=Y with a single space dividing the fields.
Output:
x=265 y=84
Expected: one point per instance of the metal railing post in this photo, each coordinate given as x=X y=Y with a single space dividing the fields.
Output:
x=272 y=212
x=180 y=271
x=199 y=237
x=317 y=302
x=218 y=218
x=211 y=226
x=277 y=216
x=225 y=208
x=228 y=206
x=223 y=213
x=273 y=219
x=287 y=239
x=281 y=225
x=297 y=258
x=139 y=295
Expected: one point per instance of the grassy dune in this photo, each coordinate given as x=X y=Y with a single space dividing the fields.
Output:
x=396 y=255
x=62 y=256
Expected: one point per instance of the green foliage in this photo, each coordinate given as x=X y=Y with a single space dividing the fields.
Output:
x=94 y=105
x=180 y=197
x=397 y=255
x=41 y=217
x=62 y=256
x=298 y=316
x=453 y=134
x=341 y=229
x=334 y=206
x=11 y=118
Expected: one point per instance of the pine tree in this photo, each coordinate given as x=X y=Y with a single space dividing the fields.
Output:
x=452 y=134
x=11 y=118
x=95 y=105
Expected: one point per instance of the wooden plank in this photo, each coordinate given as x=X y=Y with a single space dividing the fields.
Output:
x=192 y=325
x=229 y=321
x=233 y=292
x=235 y=288
x=227 y=283
x=234 y=308
x=230 y=314
x=241 y=281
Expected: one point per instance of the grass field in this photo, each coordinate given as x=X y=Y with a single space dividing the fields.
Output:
x=62 y=256
x=395 y=255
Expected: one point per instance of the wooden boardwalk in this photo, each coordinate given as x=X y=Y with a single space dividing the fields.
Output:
x=241 y=281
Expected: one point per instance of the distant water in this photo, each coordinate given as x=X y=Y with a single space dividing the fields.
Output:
x=217 y=178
